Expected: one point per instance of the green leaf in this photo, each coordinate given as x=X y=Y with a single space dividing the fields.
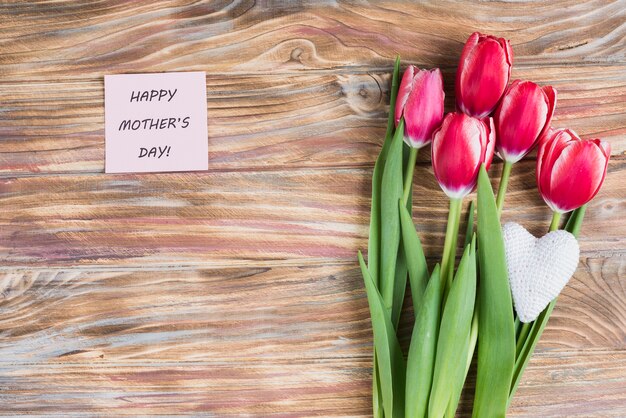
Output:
x=469 y=231
x=468 y=354
x=415 y=259
x=496 y=330
x=377 y=400
x=394 y=95
x=391 y=192
x=574 y=223
x=391 y=367
x=399 y=286
x=373 y=247
x=422 y=349
x=459 y=379
x=454 y=330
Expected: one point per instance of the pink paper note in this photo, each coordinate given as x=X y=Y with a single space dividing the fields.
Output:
x=155 y=122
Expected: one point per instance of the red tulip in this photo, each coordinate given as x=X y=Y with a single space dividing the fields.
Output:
x=570 y=170
x=459 y=147
x=420 y=101
x=523 y=115
x=483 y=74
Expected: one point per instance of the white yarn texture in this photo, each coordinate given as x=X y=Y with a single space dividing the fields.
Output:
x=538 y=268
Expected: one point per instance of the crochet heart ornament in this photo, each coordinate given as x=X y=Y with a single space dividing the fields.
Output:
x=538 y=268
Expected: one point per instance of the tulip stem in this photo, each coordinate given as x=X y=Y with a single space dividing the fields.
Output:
x=522 y=338
x=556 y=217
x=504 y=182
x=449 y=246
x=408 y=178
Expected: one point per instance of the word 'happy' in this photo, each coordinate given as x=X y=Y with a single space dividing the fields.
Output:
x=150 y=95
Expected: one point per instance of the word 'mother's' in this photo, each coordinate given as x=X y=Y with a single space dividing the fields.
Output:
x=151 y=123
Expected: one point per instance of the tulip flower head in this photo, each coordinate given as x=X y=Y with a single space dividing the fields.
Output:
x=420 y=102
x=570 y=170
x=522 y=117
x=460 y=146
x=483 y=73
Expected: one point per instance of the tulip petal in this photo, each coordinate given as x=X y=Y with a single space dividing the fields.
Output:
x=406 y=85
x=490 y=138
x=520 y=119
x=550 y=151
x=482 y=76
x=577 y=175
x=457 y=152
x=423 y=111
x=550 y=93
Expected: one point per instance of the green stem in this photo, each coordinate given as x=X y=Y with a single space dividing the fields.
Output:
x=449 y=246
x=556 y=217
x=522 y=338
x=504 y=182
x=408 y=178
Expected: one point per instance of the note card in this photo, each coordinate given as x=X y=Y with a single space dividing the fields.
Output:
x=155 y=122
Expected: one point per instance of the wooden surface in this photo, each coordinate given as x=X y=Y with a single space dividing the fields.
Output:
x=236 y=291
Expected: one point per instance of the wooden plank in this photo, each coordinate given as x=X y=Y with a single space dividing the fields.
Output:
x=590 y=312
x=231 y=218
x=42 y=40
x=259 y=388
x=92 y=316
x=261 y=122
x=571 y=384
x=228 y=314
x=236 y=291
x=557 y=384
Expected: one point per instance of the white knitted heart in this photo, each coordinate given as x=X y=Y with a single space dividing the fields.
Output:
x=538 y=268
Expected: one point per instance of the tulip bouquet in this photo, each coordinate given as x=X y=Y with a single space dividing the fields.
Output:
x=502 y=292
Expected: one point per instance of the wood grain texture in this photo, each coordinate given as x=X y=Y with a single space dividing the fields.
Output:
x=107 y=316
x=232 y=218
x=92 y=38
x=236 y=292
x=265 y=122
x=571 y=384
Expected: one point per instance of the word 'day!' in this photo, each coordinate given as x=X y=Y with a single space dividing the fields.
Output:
x=155 y=122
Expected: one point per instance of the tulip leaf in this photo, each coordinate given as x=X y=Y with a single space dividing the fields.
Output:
x=496 y=329
x=416 y=261
x=373 y=247
x=391 y=192
x=394 y=95
x=455 y=328
x=399 y=286
x=574 y=223
x=459 y=379
x=391 y=366
x=421 y=361
x=469 y=231
x=377 y=399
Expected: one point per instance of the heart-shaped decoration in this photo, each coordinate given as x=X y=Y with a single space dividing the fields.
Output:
x=539 y=268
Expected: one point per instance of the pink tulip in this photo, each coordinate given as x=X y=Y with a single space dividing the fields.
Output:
x=570 y=170
x=420 y=101
x=483 y=74
x=523 y=115
x=459 y=147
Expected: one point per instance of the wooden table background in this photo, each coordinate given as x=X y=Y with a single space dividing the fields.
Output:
x=236 y=291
